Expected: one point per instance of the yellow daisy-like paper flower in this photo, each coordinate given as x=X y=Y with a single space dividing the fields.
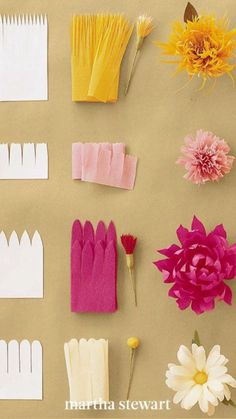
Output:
x=203 y=47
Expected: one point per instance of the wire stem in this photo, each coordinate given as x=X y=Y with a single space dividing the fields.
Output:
x=131 y=274
x=131 y=372
x=135 y=60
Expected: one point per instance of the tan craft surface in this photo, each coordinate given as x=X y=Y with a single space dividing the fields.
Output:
x=152 y=120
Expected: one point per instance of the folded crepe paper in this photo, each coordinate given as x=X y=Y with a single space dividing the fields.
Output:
x=104 y=163
x=93 y=268
x=21 y=370
x=87 y=370
x=21 y=266
x=98 y=44
x=23 y=57
x=23 y=161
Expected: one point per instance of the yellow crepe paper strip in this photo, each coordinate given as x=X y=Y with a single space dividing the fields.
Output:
x=98 y=44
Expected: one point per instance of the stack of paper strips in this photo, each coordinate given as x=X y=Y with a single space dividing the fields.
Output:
x=98 y=46
x=23 y=58
x=23 y=161
x=87 y=370
x=104 y=163
x=93 y=268
x=21 y=371
x=21 y=266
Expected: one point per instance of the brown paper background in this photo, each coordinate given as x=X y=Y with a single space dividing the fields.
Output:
x=152 y=121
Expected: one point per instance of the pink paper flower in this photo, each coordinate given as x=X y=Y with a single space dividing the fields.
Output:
x=205 y=157
x=199 y=267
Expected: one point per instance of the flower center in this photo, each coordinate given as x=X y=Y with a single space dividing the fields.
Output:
x=205 y=161
x=200 y=377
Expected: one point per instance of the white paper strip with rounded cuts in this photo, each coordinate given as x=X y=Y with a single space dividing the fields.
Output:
x=21 y=370
x=23 y=58
x=23 y=161
x=21 y=266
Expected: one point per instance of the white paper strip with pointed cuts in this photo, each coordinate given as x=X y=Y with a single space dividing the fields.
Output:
x=21 y=266
x=21 y=369
x=87 y=370
x=23 y=161
x=23 y=58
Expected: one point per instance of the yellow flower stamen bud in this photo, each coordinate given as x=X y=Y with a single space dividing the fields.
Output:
x=200 y=377
x=133 y=342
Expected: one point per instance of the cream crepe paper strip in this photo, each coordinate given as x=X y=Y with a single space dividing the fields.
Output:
x=23 y=161
x=87 y=370
x=21 y=266
x=21 y=370
x=23 y=58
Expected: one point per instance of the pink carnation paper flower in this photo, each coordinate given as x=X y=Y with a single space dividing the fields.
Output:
x=199 y=267
x=205 y=157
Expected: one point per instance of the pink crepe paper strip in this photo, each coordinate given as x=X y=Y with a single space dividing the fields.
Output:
x=104 y=163
x=93 y=268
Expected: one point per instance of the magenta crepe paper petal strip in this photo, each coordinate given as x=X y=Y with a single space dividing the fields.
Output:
x=87 y=261
x=93 y=268
x=104 y=163
x=111 y=232
x=98 y=262
x=75 y=274
x=100 y=232
x=88 y=232
x=110 y=270
x=77 y=232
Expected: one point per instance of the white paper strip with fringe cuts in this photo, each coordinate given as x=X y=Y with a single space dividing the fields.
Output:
x=23 y=161
x=23 y=58
x=21 y=370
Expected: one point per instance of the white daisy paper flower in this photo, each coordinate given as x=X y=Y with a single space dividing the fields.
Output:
x=200 y=379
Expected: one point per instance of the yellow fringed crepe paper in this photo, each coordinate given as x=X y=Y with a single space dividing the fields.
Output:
x=98 y=45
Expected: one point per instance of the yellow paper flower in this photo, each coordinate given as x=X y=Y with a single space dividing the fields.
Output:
x=144 y=26
x=203 y=47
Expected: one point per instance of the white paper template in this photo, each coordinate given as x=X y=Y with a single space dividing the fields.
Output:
x=24 y=161
x=23 y=58
x=21 y=266
x=21 y=372
x=87 y=370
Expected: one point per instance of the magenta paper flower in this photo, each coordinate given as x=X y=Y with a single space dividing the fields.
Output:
x=205 y=157
x=199 y=267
